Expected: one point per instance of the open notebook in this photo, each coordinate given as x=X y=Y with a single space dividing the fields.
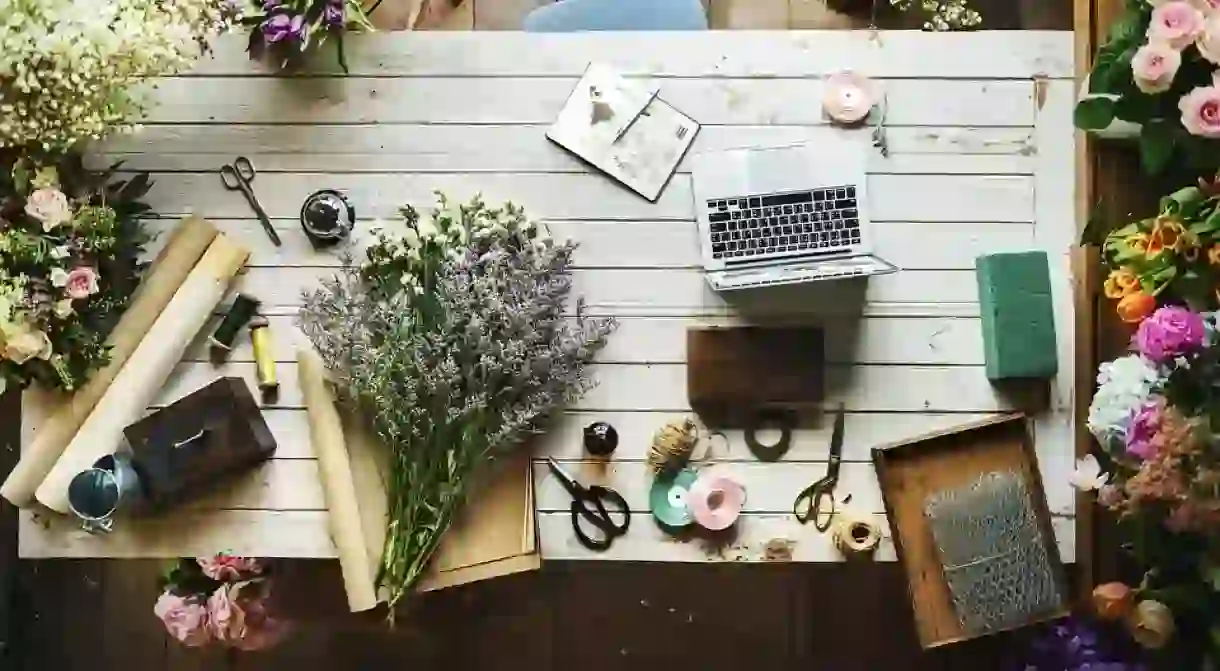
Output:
x=623 y=129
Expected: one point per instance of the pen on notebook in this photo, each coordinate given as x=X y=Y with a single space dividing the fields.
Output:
x=651 y=97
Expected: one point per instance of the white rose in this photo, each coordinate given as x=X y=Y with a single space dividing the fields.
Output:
x=50 y=206
x=26 y=344
x=59 y=277
x=63 y=308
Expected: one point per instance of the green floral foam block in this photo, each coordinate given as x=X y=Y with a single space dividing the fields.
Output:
x=1018 y=315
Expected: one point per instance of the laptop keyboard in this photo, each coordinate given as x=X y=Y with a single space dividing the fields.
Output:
x=826 y=219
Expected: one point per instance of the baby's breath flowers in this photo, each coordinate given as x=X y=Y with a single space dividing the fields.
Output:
x=452 y=339
x=70 y=70
x=943 y=14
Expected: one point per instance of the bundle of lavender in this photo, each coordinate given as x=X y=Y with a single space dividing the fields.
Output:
x=451 y=339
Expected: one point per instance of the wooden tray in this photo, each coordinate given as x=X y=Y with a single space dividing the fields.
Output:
x=909 y=471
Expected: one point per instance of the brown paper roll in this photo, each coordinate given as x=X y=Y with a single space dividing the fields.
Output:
x=186 y=244
x=335 y=468
x=137 y=383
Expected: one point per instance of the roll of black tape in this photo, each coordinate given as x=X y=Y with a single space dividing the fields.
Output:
x=327 y=217
x=771 y=418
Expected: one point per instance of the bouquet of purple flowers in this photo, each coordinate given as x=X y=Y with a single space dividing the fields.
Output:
x=283 y=30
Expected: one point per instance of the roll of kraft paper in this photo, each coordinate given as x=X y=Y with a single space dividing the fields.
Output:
x=183 y=249
x=856 y=537
x=338 y=485
x=136 y=385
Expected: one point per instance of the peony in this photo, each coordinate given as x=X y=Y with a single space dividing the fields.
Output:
x=1113 y=601
x=23 y=343
x=1201 y=110
x=1151 y=624
x=186 y=619
x=225 y=567
x=1135 y=307
x=1154 y=66
x=1169 y=332
x=239 y=618
x=848 y=97
x=1176 y=23
x=1125 y=384
x=50 y=206
x=81 y=283
x=1142 y=430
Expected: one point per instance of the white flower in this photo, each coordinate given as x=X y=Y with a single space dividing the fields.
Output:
x=59 y=277
x=63 y=308
x=427 y=229
x=60 y=253
x=1088 y=476
x=50 y=206
x=1125 y=385
x=22 y=343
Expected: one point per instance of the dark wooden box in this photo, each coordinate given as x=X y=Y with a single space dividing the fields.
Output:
x=911 y=470
x=200 y=440
x=736 y=371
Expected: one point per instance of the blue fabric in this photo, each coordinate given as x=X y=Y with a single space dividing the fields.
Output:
x=567 y=16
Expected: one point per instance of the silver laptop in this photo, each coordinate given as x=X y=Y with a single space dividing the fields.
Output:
x=784 y=215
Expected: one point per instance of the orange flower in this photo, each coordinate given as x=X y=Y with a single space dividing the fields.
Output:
x=1120 y=283
x=1167 y=234
x=1113 y=601
x=1135 y=307
x=1213 y=255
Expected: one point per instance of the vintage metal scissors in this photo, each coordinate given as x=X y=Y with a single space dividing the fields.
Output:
x=811 y=501
x=589 y=509
x=237 y=176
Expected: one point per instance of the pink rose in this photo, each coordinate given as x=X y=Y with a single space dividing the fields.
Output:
x=1201 y=111
x=1208 y=7
x=1143 y=429
x=1176 y=23
x=226 y=567
x=186 y=620
x=848 y=97
x=1208 y=42
x=1169 y=332
x=239 y=618
x=1154 y=66
x=49 y=206
x=82 y=283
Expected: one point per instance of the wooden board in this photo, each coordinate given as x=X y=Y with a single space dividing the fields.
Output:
x=981 y=139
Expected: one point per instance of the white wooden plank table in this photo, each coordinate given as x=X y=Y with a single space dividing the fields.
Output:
x=981 y=161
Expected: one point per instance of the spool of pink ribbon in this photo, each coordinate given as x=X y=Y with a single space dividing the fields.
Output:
x=716 y=500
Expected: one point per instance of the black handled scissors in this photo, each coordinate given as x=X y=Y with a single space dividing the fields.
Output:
x=809 y=502
x=589 y=504
x=237 y=176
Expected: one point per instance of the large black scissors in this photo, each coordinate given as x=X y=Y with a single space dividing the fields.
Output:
x=589 y=509
x=237 y=176
x=810 y=503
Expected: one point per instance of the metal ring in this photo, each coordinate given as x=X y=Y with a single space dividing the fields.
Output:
x=784 y=420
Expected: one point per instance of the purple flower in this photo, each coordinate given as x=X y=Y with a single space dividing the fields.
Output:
x=1143 y=428
x=333 y=14
x=1169 y=332
x=269 y=5
x=281 y=27
x=1076 y=645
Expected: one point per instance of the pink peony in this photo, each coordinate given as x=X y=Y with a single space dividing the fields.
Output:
x=1177 y=23
x=1154 y=66
x=82 y=283
x=1201 y=111
x=226 y=567
x=1143 y=429
x=848 y=97
x=186 y=619
x=1169 y=332
x=239 y=618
